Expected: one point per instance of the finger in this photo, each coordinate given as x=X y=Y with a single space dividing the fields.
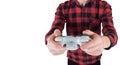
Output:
x=89 y=44
x=57 y=33
x=94 y=53
x=97 y=47
x=93 y=42
x=52 y=42
x=55 y=44
x=50 y=38
x=57 y=51
x=90 y=33
x=53 y=48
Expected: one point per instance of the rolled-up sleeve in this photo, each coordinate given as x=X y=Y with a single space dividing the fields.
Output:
x=108 y=26
x=58 y=22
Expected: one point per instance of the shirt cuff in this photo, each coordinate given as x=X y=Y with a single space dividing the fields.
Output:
x=109 y=47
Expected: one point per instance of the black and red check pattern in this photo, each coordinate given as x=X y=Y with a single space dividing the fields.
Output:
x=92 y=16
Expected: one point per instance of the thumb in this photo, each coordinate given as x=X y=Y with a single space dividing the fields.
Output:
x=88 y=32
x=57 y=33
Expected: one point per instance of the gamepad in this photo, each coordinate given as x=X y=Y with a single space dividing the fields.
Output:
x=72 y=43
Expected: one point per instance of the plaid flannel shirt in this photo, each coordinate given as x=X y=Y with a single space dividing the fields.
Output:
x=92 y=16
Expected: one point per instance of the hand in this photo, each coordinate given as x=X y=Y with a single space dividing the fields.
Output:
x=96 y=45
x=54 y=47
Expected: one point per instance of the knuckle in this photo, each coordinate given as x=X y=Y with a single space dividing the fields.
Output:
x=48 y=39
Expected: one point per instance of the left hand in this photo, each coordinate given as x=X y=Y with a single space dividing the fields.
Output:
x=96 y=46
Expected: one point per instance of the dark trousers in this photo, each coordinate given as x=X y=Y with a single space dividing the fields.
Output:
x=73 y=63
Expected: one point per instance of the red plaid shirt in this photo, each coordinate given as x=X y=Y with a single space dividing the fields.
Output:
x=92 y=16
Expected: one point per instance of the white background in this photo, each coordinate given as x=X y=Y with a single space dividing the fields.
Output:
x=23 y=25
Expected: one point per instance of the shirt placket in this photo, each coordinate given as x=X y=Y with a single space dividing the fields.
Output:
x=83 y=14
x=82 y=17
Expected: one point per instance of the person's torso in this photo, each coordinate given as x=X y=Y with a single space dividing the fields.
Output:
x=78 y=19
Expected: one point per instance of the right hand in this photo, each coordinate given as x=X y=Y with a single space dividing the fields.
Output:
x=54 y=47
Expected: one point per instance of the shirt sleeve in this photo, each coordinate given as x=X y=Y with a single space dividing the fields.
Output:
x=58 y=22
x=108 y=26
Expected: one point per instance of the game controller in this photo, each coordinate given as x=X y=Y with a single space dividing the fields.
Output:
x=72 y=43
